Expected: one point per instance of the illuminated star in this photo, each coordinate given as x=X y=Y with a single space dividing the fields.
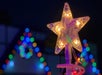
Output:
x=67 y=30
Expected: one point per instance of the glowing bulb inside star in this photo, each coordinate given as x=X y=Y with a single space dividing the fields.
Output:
x=76 y=42
x=61 y=44
x=58 y=28
x=67 y=15
x=77 y=23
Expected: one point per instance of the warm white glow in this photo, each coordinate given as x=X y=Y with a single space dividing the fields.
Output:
x=60 y=44
x=58 y=29
x=77 y=23
x=67 y=14
x=76 y=42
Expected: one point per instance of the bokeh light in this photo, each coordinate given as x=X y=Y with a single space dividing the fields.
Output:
x=41 y=66
x=74 y=72
x=11 y=63
x=86 y=45
x=10 y=56
x=39 y=54
x=42 y=59
x=4 y=66
x=84 y=64
x=34 y=44
x=84 y=41
x=47 y=68
x=49 y=73
x=6 y=61
x=97 y=71
x=45 y=63
x=93 y=60
x=27 y=30
x=1 y=71
x=94 y=69
x=22 y=38
x=31 y=39
x=27 y=39
x=88 y=49
x=29 y=34
x=37 y=49
x=94 y=64
x=13 y=51
x=90 y=56
x=28 y=55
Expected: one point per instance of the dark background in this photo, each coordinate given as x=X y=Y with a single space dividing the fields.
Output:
x=38 y=13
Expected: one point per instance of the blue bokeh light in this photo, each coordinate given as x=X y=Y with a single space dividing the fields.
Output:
x=41 y=66
x=27 y=30
x=27 y=39
x=97 y=71
x=94 y=69
x=37 y=49
x=84 y=53
x=28 y=55
x=11 y=63
x=84 y=41
x=90 y=56
x=4 y=66
x=46 y=68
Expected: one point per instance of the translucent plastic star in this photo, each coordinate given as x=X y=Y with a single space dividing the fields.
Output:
x=67 y=30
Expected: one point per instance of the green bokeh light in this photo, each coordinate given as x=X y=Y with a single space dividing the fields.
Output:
x=42 y=59
x=22 y=38
x=22 y=54
x=32 y=39
x=88 y=49
x=94 y=64
x=84 y=64
x=10 y=56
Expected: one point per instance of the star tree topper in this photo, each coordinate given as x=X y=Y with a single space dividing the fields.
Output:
x=67 y=30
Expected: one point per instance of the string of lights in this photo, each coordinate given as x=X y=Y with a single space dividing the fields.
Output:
x=25 y=47
x=87 y=57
